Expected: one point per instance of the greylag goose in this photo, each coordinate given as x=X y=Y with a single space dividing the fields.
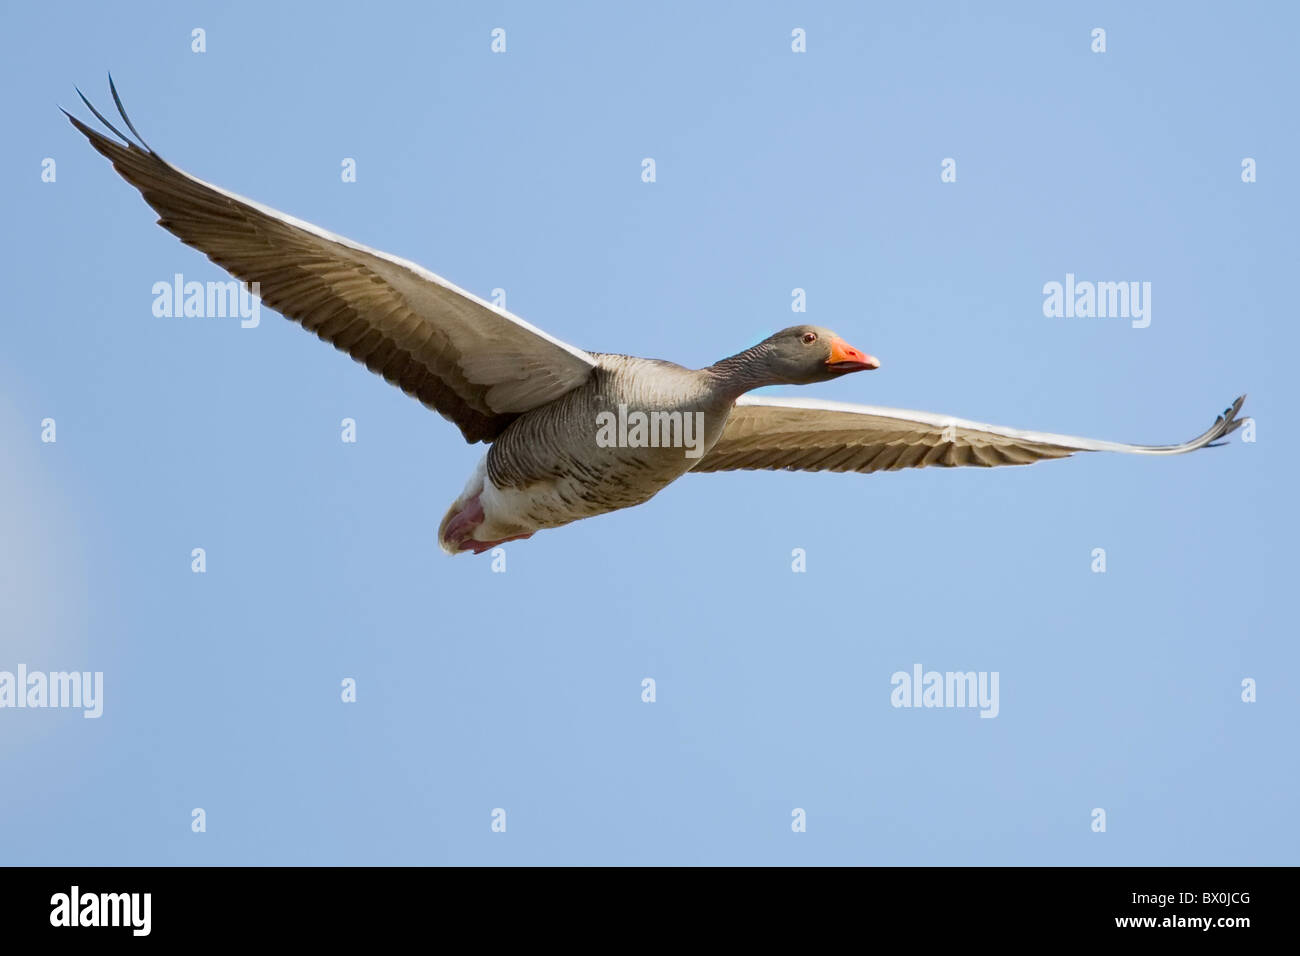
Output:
x=571 y=433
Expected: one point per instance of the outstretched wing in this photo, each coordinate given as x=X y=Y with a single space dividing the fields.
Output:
x=475 y=364
x=809 y=435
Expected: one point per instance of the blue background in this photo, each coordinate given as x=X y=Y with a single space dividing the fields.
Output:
x=521 y=690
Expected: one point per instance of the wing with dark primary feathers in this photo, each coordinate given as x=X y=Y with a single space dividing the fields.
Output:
x=477 y=365
x=811 y=435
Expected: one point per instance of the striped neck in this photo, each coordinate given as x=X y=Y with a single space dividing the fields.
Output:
x=744 y=371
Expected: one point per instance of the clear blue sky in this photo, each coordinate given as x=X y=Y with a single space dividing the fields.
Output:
x=522 y=690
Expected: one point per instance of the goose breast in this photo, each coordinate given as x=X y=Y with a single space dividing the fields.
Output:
x=612 y=443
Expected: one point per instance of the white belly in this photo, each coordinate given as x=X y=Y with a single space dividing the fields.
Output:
x=513 y=511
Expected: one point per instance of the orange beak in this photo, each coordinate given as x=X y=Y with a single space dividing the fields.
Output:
x=845 y=358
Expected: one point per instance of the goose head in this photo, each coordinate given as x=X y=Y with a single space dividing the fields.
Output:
x=806 y=354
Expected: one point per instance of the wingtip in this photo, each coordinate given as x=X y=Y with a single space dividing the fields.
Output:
x=1228 y=422
x=100 y=116
x=117 y=100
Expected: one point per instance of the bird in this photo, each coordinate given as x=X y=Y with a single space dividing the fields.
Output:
x=571 y=433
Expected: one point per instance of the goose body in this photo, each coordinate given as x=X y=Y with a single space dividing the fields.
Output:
x=572 y=434
x=549 y=467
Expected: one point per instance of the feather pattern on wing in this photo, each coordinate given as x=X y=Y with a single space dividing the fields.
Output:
x=474 y=363
x=810 y=435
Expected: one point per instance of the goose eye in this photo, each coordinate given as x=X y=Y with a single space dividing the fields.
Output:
x=809 y=338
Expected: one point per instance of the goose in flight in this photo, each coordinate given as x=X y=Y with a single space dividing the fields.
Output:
x=571 y=433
